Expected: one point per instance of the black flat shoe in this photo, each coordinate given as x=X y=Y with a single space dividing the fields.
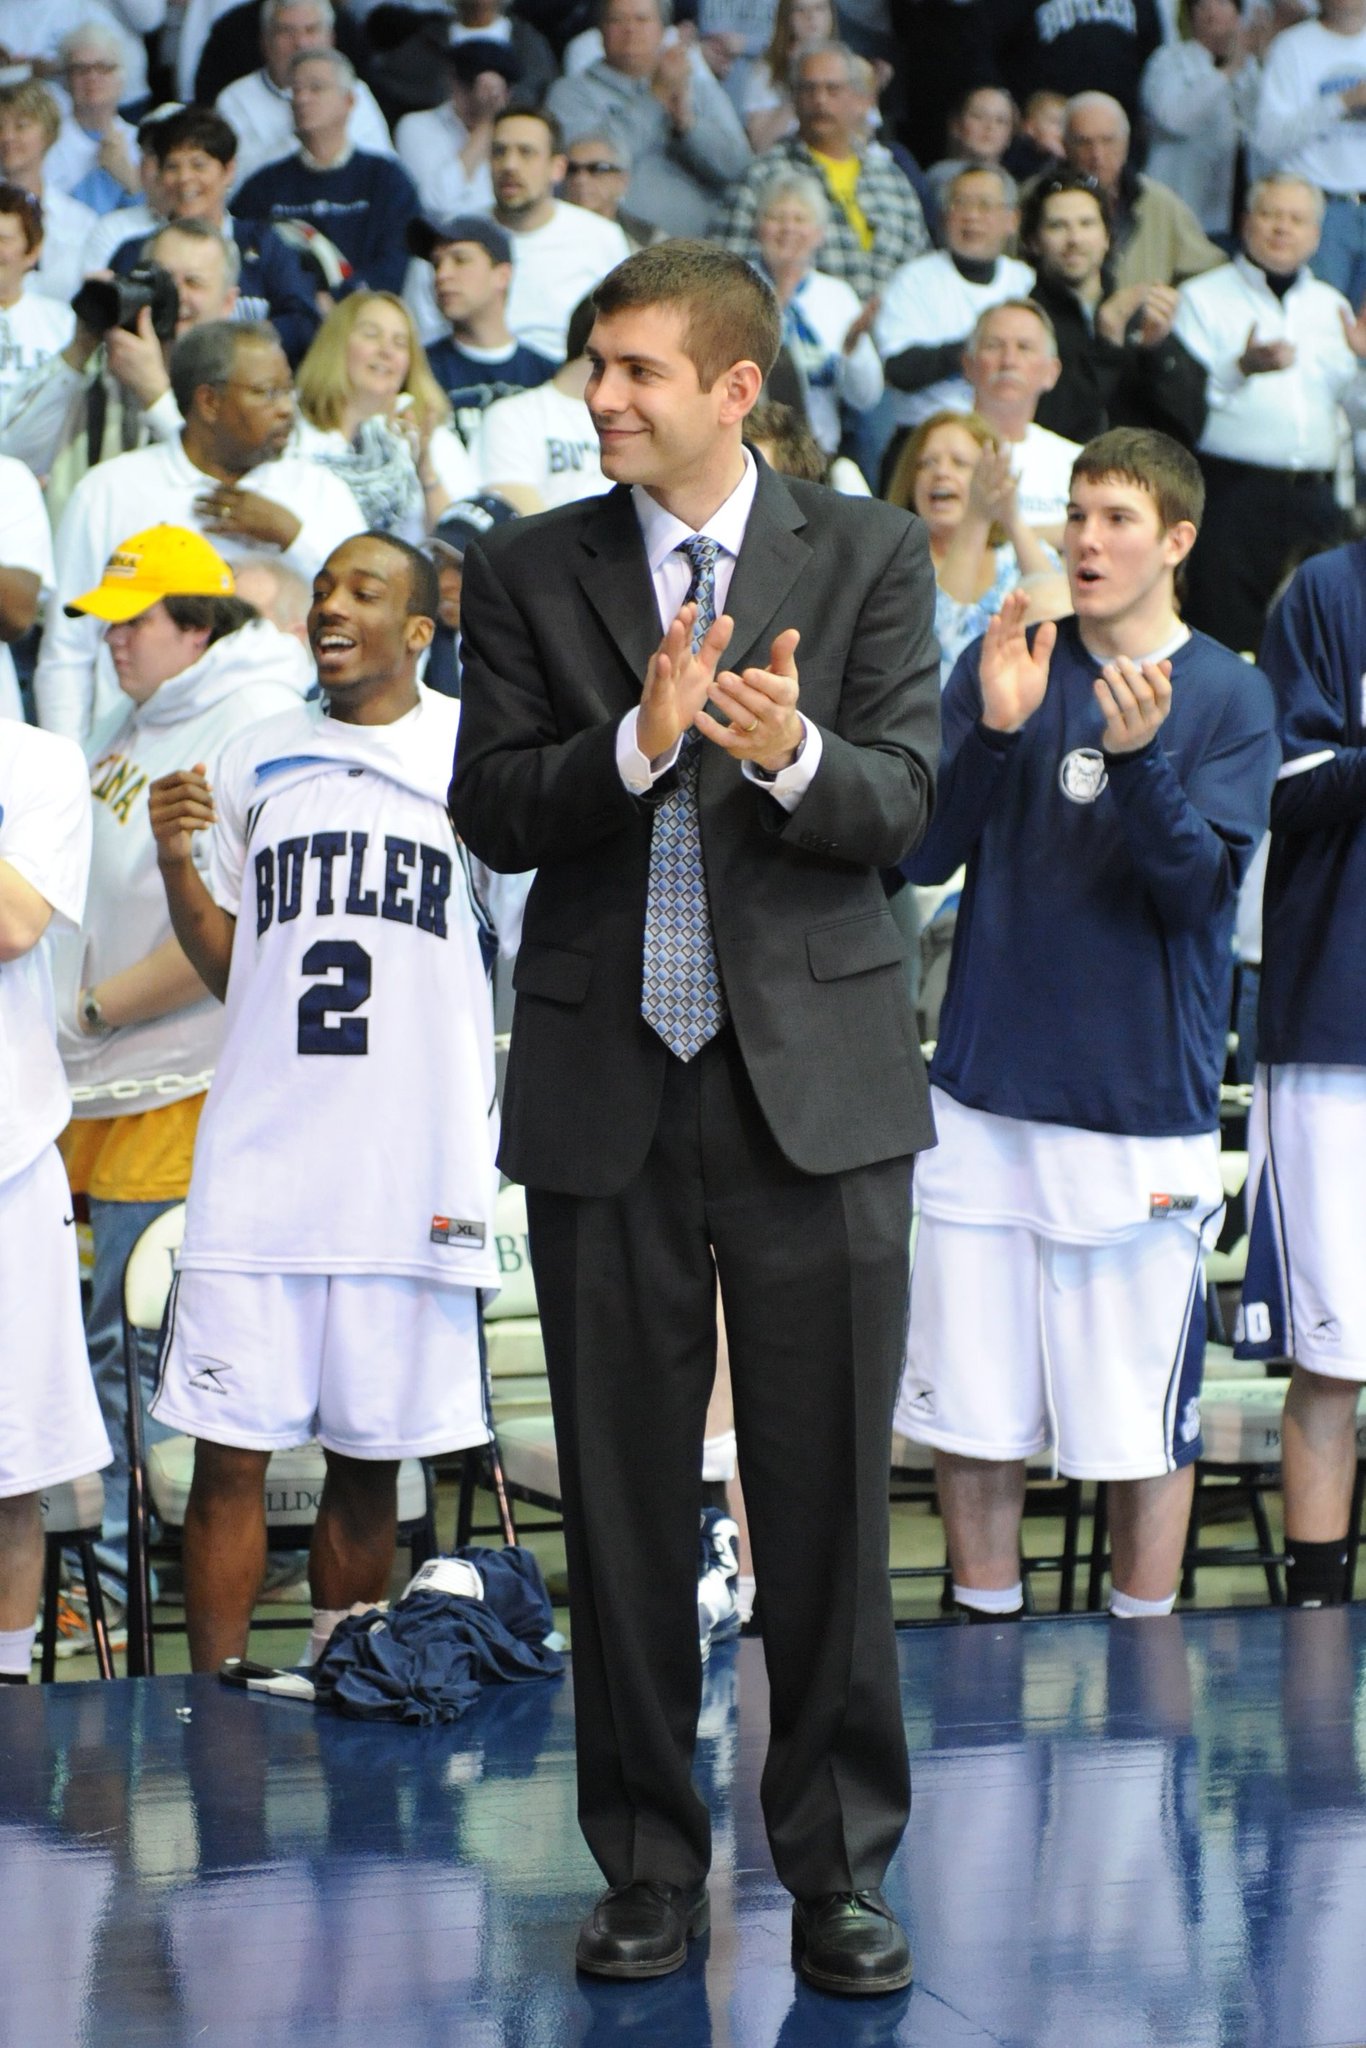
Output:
x=849 y=1943
x=641 y=1929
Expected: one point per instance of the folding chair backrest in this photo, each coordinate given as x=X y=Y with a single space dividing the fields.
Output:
x=151 y=1268
x=517 y=1295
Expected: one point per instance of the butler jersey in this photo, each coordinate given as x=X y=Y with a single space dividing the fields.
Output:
x=352 y=1120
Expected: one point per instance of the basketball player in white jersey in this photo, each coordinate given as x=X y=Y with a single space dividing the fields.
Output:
x=340 y=1216
x=50 y=1427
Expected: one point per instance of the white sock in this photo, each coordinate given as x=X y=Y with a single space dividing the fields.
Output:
x=1127 y=1607
x=744 y=1595
x=991 y=1599
x=325 y=1619
x=16 y=1649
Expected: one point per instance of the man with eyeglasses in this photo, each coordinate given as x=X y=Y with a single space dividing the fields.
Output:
x=597 y=171
x=226 y=476
x=94 y=158
x=876 y=221
x=932 y=303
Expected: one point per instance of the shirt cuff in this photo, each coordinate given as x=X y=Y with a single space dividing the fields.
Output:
x=790 y=784
x=638 y=773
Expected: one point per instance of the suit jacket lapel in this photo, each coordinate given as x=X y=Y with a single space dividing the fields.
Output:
x=772 y=557
x=615 y=577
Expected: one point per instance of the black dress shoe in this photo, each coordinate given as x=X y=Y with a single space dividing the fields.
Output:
x=849 y=1942
x=641 y=1929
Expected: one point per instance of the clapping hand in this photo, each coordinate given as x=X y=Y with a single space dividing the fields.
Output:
x=1259 y=357
x=1354 y=334
x=1135 y=698
x=1013 y=675
x=678 y=682
x=992 y=487
x=761 y=704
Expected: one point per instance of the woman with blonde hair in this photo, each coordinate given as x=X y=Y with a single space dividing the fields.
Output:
x=955 y=474
x=370 y=409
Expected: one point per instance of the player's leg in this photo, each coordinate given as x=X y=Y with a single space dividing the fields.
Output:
x=50 y=1427
x=1318 y=1472
x=982 y=1503
x=351 y=1556
x=973 y=1389
x=1148 y=1521
x=21 y=1583
x=1124 y=1329
x=241 y=1361
x=225 y=1550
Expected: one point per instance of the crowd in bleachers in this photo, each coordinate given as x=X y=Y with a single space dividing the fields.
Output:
x=279 y=273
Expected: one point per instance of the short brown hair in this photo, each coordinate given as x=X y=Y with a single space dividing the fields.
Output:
x=26 y=210
x=222 y=615
x=788 y=442
x=1151 y=462
x=730 y=314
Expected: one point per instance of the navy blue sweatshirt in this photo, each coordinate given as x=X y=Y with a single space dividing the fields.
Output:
x=1313 y=997
x=1092 y=963
x=363 y=207
x=274 y=284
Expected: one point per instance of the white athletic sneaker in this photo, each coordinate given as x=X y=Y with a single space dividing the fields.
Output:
x=718 y=1568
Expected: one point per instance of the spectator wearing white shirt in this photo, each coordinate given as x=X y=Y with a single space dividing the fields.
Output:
x=33 y=327
x=559 y=251
x=226 y=476
x=445 y=149
x=1011 y=360
x=1200 y=98
x=1283 y=352
x=31 y=32
x=258 y=107
x=94 y=156
x=931 y=304
x=1311 y=119
x=825 y=329
x=29 y=126
x=540 y=448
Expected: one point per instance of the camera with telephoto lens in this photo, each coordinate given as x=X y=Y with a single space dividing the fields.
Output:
x=105 y=302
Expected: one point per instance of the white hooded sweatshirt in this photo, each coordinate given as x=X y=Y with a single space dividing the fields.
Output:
x=243 y=678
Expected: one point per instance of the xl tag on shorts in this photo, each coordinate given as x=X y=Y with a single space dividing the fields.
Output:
x=1169 y=1205
x=457 y=1230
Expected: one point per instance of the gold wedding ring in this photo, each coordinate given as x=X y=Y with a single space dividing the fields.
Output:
x=753 y=726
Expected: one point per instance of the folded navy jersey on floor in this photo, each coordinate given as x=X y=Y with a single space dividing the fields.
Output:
x=429 y=1657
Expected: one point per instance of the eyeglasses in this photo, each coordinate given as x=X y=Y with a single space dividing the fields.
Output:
x=259 y=394
x=102 y=68
x=594 y=170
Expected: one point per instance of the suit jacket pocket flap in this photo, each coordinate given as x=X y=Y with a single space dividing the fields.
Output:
x=553 y=972
x=854 y=947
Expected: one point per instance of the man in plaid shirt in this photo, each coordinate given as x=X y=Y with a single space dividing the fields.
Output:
x=876 y=220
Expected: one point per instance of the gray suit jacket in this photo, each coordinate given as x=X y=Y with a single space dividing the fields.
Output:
x=558 y=622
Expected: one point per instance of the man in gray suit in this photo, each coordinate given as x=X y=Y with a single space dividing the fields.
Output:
x=714 y=1075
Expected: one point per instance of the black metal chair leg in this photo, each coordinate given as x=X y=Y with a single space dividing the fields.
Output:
x=99 y=1621
x=1071 y=1543
x=1354 y=1530
x=1100 y=1524
x=52 y=1581
x=1192 y=1544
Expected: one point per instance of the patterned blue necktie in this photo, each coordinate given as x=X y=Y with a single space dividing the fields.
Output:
x=681 y=994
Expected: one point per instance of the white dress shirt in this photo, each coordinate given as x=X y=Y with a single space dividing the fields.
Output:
x=1279 y=419
x=671 y=573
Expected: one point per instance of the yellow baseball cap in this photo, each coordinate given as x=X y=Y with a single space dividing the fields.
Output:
x=165 y=561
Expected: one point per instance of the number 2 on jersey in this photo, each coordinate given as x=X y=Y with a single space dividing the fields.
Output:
x=335 y=998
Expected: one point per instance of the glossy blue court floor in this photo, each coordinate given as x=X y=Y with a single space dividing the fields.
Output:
x=1147 y=1833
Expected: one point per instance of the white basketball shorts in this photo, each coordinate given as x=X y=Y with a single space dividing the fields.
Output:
x=1016 y=1342
x=372 y=1365
x=1304 y=1292
x=50 y=1427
